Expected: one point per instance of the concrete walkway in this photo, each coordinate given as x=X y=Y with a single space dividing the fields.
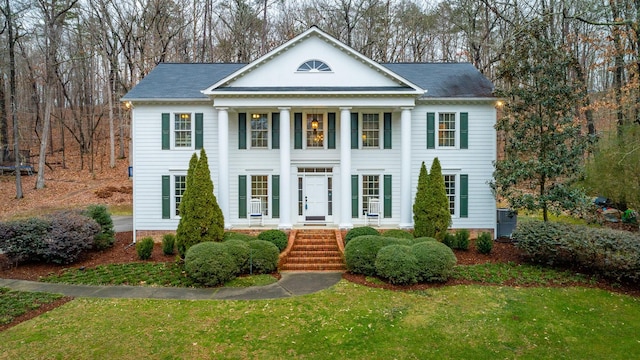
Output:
x=291 y=284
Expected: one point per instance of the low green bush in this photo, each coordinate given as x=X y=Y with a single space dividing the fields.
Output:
x=231 y=235
x=484 y=243
x=277 y=237
x=239 y=251
x=263 y=257
x=209 y=263
x=398 y=234
x=359 y=231
x=435 y=261
x=360 y=253
x=168 y=244
x=106 y=237
x=449 y=240
x=144 y=248
x=423 y=239
x=462 y=240
x=612 y=253
x=397 y=264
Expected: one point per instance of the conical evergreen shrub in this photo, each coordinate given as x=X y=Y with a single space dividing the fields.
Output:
x=421 y=225
x=437 y=201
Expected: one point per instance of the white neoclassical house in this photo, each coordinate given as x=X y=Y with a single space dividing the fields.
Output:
x=313 y=133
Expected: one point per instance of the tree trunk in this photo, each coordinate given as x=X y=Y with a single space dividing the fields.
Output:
x=12 y=96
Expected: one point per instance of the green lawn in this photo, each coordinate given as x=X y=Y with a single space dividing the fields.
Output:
x=347 y=321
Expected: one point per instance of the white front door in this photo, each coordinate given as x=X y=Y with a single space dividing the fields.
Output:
x=315 y=198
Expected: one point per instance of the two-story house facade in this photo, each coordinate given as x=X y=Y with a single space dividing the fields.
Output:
x=315 y=131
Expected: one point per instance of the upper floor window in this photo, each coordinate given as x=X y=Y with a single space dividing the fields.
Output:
x=447 y=130
x=370 y=130
x=314 y=66
x=315 y=131
x=182 y=130
x=259 y=131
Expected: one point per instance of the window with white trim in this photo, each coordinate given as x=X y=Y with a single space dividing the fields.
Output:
x=450 y=188
x=180 y=185
x=259 y=131
x=370 y=190
x=370 y=130
x=315 y=131
x=314 y=66
x=260 y=190
x=447 y=130
x=182 y=130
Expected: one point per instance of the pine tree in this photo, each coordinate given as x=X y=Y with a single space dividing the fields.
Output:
x=437 y=206
x=421 y=225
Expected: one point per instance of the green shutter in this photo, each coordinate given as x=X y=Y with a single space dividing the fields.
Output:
x=199 y=133
x=165 y=131
x=431 y=130
x=166 y=197
x=387 y=196
x=464 y=130
x=297 y=131
x=387 y=130
x=275 y=199
x=275 y=130
x=354 y=196
x=354 y=130
x=464 y=196
x=331 y=136
x=242 y=130
x=242 y=196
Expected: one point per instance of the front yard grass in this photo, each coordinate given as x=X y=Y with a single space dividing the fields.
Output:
x=347 y=321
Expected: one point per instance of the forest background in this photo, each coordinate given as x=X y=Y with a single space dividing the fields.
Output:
x=66 y=63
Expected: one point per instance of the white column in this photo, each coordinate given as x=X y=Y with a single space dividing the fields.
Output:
x=285 y=169
x=223 y=161
x=405 y=170
x=345 y=168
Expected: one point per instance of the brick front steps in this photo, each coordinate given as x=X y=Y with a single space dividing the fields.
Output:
x=313 y=250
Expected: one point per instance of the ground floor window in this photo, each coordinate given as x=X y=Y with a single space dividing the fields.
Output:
x=370 y=190
x=450 y=187
x=180 y=185
x=260 y=190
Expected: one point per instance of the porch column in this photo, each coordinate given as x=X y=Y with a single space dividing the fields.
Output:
x=223 y=161
x=285 y=169
x=405 y=170
x=345 y=168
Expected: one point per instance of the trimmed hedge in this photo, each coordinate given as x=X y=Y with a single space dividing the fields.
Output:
x=277 y=237
x=360 y=253
x=239 y=251
x=484 y=243
x=144 y=248
x=70 y=234
x=209 y=263
x=263 y=257
x=398 y=234
x=423 y=239
x=359 y=231
x=397 y=264
x=613 y=253
x=230 y=235
x=23 y=240
x=435 y=261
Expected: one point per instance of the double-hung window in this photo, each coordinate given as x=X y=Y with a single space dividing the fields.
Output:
x=370 y=131
x=260 y=190
x=447 y=130
x=450 y=188
x=180 y=185
x=182 y=128
x=259 y=131
x=370 y=190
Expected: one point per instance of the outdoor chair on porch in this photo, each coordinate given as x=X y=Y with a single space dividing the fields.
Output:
x=373 y=213
x=255 y=211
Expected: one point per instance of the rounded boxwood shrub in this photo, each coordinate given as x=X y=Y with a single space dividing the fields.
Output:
x=397 y=264
x=209 y=263
x=168 y=244
x=231 y=235
x=239 y=251
x=360 y=253
x=263 y=257
x=359 y=231
x=484 y=243
x=144 y=248
x=397 y=233
x=277 y=237
x=435 y=261
x=423 y=239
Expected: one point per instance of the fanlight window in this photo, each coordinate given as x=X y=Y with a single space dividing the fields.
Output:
x=314 y=66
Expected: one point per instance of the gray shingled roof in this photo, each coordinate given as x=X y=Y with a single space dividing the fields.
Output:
x=185 y=81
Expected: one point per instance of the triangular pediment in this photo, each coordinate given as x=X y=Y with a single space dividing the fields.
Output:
x=314 y=62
